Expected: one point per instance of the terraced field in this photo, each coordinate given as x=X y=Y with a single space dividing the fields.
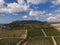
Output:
x=34 y=31
x=11 y=37
x=38 y=38
x=40 y=41
x=57 y=40
x=52 y=32
x=9 y=41
x=12 y=33
x=36 y=34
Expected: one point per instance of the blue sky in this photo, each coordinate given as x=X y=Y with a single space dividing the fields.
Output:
x=42 y=10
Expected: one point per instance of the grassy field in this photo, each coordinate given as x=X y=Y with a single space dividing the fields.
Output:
x=9 y=41
x=37 y=37
x=40 y=41
x=57 y=40
x=34 y=31
x=12 y=33
x=51 y=32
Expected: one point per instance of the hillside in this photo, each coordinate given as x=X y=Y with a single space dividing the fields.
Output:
x=22 y=23
x=29 y=33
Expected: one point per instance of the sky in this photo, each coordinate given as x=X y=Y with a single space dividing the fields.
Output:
x=41 y=10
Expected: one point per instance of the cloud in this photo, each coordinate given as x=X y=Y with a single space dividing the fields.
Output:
x=58 y=11
x=34 y=13
x=50 y=15
x=17 y=8
x=2 y=3
x=4 y=11
x=36 y=1
x=39 y=15
x=25 y=16
x=21 y=2
x=51 y=19
x=14 y=8
x=20 y=7
x=54 y=18
x=55 y=2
